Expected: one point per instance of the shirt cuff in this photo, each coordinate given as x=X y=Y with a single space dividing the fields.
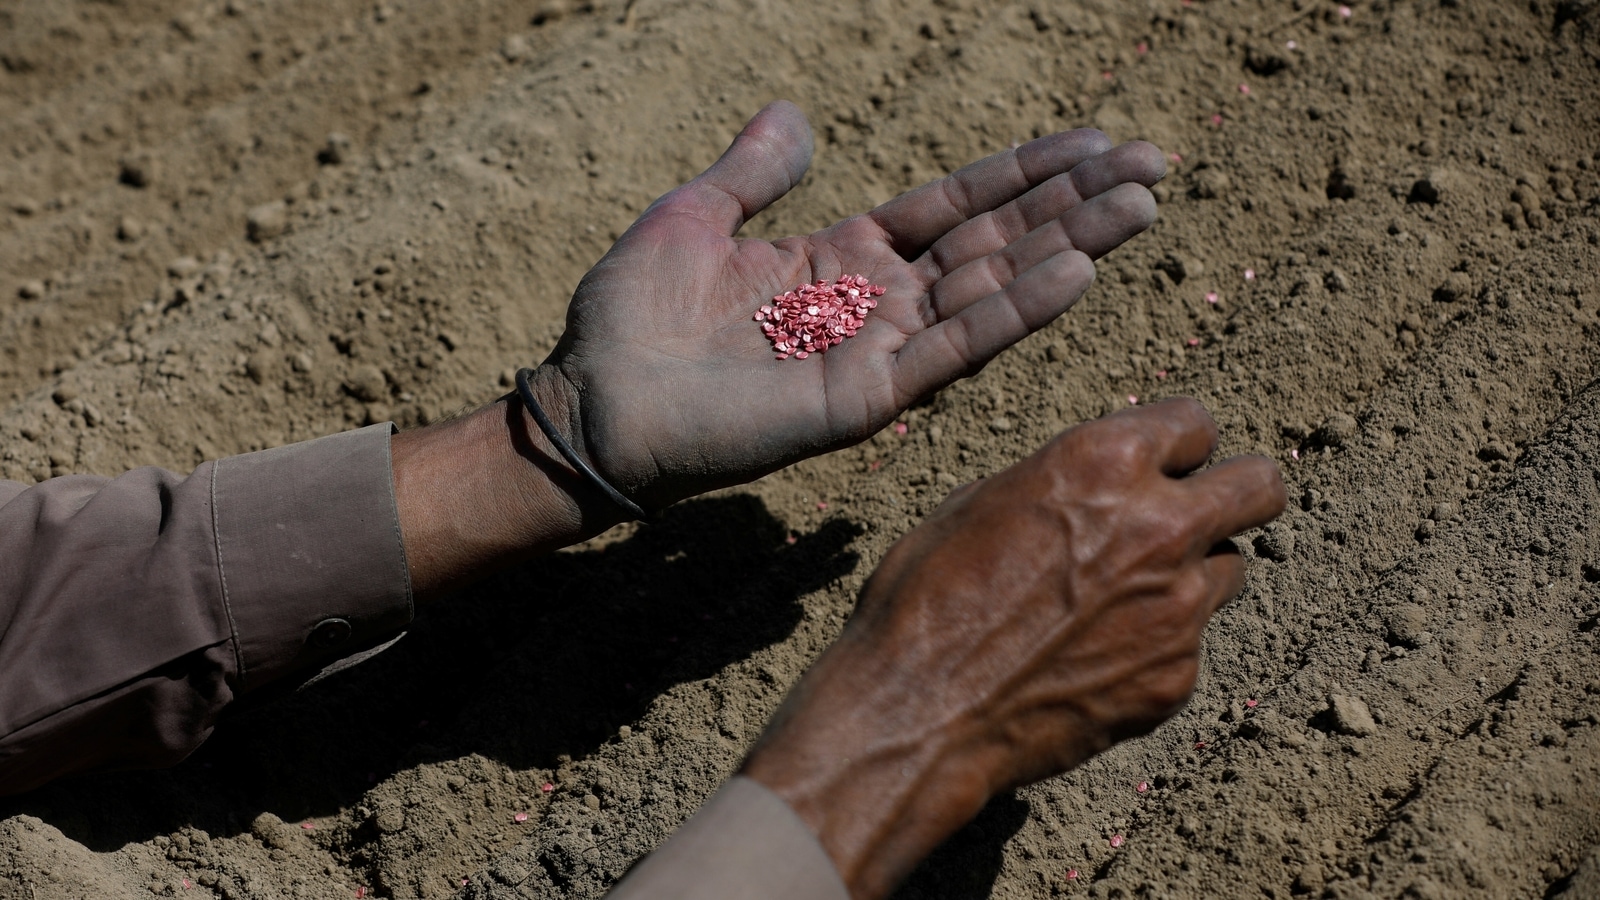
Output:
x=309 y=549
x=745 y=842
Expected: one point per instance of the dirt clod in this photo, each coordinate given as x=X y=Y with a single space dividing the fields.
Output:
x=1351 y=716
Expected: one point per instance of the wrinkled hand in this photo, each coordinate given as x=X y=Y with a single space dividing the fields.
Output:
x=670 y=389
x=1032 y=621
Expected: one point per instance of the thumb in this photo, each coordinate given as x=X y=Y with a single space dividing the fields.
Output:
x=766 y=160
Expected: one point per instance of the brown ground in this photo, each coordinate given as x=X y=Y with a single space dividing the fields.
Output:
x=1416 y=188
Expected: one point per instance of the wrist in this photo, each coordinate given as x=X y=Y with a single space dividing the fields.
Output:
x=489 y=489
x=564 y=438
x=880 y=784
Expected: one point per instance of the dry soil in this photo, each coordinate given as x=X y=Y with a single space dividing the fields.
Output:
x=231 y=224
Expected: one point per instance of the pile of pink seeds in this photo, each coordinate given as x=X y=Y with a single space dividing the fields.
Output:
x=813 y=317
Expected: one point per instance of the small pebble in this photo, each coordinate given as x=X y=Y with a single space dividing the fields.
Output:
x=129 y=229
x=267 y=221
x=137 y=170
x=31 y=290
x=514 y=48
x=335 y=151
x=1456 y=287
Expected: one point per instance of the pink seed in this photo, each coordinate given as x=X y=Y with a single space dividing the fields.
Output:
x=1132 y=400
x=1216 y=119
x=1249 y=274
x=1072 y=874
x=1345 y=12
x=1143 y=48
x=1244 y=89
x=901 y=428
x=822 y=504
x=1292 y=45
x=1116 y=841
x=520 y=817
x=813 y=317
x=187 y=885
x=1143 y=786
x=1193 y=342
x=1252 y=703
x=1212 y=297
x=1107 y=76
x=1295 y=453
x=547 y=787
x=791 y=539
x=1162 y=374
x=463 y=882
x=1175 y=157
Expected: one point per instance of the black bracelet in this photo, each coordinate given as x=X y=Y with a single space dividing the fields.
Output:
x=525 y=390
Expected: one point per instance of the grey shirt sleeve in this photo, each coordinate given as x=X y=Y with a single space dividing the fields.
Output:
x=133 y=610
x=744 y=843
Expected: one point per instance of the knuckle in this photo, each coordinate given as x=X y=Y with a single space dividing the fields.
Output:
x=1173 y=685
x=1119 y=447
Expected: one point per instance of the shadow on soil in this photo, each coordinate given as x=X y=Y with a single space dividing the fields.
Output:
x=966 y=865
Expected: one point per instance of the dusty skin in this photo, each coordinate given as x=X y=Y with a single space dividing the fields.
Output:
x=228 y=225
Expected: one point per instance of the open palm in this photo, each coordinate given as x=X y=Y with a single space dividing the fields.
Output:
x=670 y=388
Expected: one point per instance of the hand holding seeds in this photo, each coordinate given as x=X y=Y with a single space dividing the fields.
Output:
x=1032 y=621
x=668 y=387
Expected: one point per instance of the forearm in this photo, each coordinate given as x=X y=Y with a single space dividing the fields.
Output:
x=135 y=609
x=879 y=799
x=489 y=490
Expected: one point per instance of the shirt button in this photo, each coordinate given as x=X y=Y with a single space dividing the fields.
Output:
x=330 y=633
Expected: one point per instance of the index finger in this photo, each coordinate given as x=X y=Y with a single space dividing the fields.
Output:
x=1185 y=435
x=920 y=216
x=1237 y=494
